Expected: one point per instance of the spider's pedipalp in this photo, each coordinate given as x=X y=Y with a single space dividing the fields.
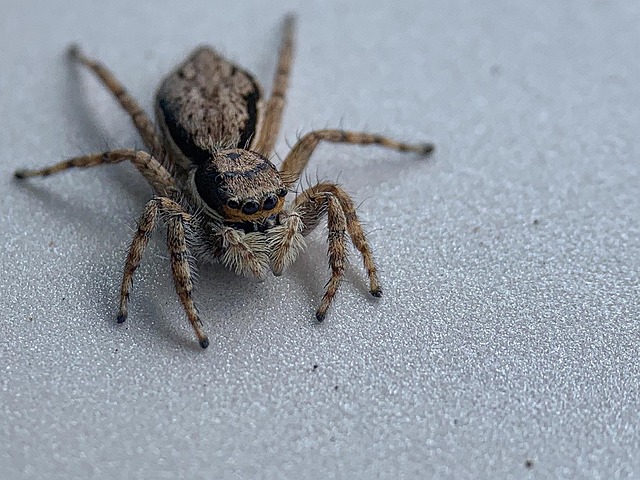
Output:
x=285 y=242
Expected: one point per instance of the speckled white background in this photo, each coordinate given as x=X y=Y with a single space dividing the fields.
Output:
x=509 y=327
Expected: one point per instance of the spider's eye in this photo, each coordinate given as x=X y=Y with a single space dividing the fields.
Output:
x=219 y=179
x=233 y=204
x=282 y=192
x=270 y=202
x=250 y=206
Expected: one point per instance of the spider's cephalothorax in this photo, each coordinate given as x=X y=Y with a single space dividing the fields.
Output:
x=219 y=195
x=241 y=186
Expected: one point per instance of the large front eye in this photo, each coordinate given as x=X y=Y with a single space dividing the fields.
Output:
x=250 y=207
x=270 y=202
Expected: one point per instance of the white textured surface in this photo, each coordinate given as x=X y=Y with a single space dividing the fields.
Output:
x=509 y=326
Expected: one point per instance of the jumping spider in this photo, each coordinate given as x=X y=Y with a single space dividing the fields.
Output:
x=216 y=189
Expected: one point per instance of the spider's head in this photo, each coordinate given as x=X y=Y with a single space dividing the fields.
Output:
x=241 y=185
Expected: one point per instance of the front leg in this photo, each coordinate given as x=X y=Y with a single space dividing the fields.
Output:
x=311 y=217
x=178 y=221
x=311 y=205
x=183 y=269
x=337 y=250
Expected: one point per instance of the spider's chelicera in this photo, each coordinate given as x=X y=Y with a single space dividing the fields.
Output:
x=216 y=189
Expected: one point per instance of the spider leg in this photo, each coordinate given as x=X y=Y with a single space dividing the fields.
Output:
x=183 y=273
x=310 y=219
x=312 y=205
x=157 y=176
x=298 y=158
x=337 y=251
x=178 y=222
x=141 y=120
x=275 y=105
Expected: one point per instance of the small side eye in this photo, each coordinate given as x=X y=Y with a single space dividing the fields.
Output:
x=219 y=179
x=250 y=207
x=282 y=192
x=233 y=204
x=270 y=202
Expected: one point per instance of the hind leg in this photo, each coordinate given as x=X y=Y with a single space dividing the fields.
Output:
x=140 y=119
x=275 y=105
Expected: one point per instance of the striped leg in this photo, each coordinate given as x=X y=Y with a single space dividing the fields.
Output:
x=157 y=176
x=183 y=272
x=177 y=221
x=140 y=119
x=298 y=158
x=275 y=105
x=312 y=205
x=337 y=251
x=310 y=219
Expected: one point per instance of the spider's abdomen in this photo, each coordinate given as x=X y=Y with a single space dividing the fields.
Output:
x=205 y=104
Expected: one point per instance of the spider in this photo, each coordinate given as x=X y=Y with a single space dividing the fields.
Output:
x=220 y=196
